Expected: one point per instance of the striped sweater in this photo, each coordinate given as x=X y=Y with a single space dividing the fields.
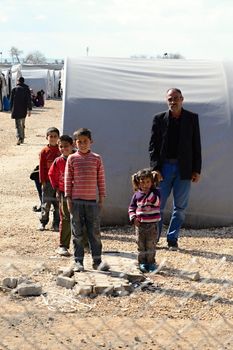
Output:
x=84 y=174
x=145 y=206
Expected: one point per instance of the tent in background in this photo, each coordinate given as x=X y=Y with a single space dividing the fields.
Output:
x=8 y=79
x=57 y=83
x=15 y=74
x=38 y=79
x=52 y=79
x=117 y=99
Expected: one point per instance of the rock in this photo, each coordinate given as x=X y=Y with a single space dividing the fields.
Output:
x=196 y=276
x=32 y=289
x=84 y=290
x=135 y=277
x=65 y=282
x=10 y=282
x=68 y=272
x=103 y=289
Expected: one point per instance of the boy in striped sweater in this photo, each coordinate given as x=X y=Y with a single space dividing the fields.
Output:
x=84 y=174
x=144 y=213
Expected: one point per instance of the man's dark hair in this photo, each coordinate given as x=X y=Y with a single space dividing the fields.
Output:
x=82 y=132
x=66 y=138
x=21 y=80
x=175 y=89
x=52 y=129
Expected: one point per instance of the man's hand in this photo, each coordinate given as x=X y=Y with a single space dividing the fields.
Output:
x=195 y=177
x=29 y=113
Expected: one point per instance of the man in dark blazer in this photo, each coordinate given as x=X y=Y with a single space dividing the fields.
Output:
x=175 y=153
x=21 y=105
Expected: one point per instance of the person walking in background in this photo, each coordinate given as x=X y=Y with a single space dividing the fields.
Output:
x=36 y=178
x=56 y=177
x=47 y=155
x=84 y=174
x=21 y=106
x=175 y=152
x=144 y=213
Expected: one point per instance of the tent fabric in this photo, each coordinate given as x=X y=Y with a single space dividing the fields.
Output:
x=57 y=79
x=118 y=98
x=38 y=79
x=52 y=80
x=15 y=74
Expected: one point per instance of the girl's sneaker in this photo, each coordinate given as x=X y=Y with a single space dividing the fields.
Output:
x=152 y=267
x=143 y=268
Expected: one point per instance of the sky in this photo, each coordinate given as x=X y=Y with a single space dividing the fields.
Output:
x=195 y=29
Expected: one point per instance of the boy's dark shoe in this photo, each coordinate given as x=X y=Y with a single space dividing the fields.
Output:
x=41 y=227
x=172 y=245
x=56 y=228
x=103 y=266
x=18 y=142
x=36 y=209
x=152 y=267
x=143 y=268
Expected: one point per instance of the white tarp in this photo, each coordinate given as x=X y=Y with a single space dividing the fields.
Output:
x=15 y=74
x=8 y=79
x=52 y=79
x=38 y=79
x=117 y=99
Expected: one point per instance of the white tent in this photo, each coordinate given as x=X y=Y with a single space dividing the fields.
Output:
x=117 y=99
x=8 y=80
x=15 y=74
x=52 y=79
x=38 y=79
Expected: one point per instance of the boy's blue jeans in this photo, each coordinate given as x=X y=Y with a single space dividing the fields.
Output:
x=86 y=213
x=181 y=190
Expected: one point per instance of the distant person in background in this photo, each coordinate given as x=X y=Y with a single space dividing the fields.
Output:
x=35 y=177
x=21 y=106
x=33 y=96
x=39 y=99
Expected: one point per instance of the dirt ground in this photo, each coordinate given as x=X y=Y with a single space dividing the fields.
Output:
x=179 y=313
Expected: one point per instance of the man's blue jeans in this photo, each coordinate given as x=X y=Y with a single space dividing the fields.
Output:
x=86 y=213
x=181 y=190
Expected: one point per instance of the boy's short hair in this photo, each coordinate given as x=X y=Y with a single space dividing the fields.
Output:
x=82 y=132
x=52 y=129
x=66 y=138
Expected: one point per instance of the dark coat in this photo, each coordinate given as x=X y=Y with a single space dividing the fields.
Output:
x=189 y=148
x=20 y=101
